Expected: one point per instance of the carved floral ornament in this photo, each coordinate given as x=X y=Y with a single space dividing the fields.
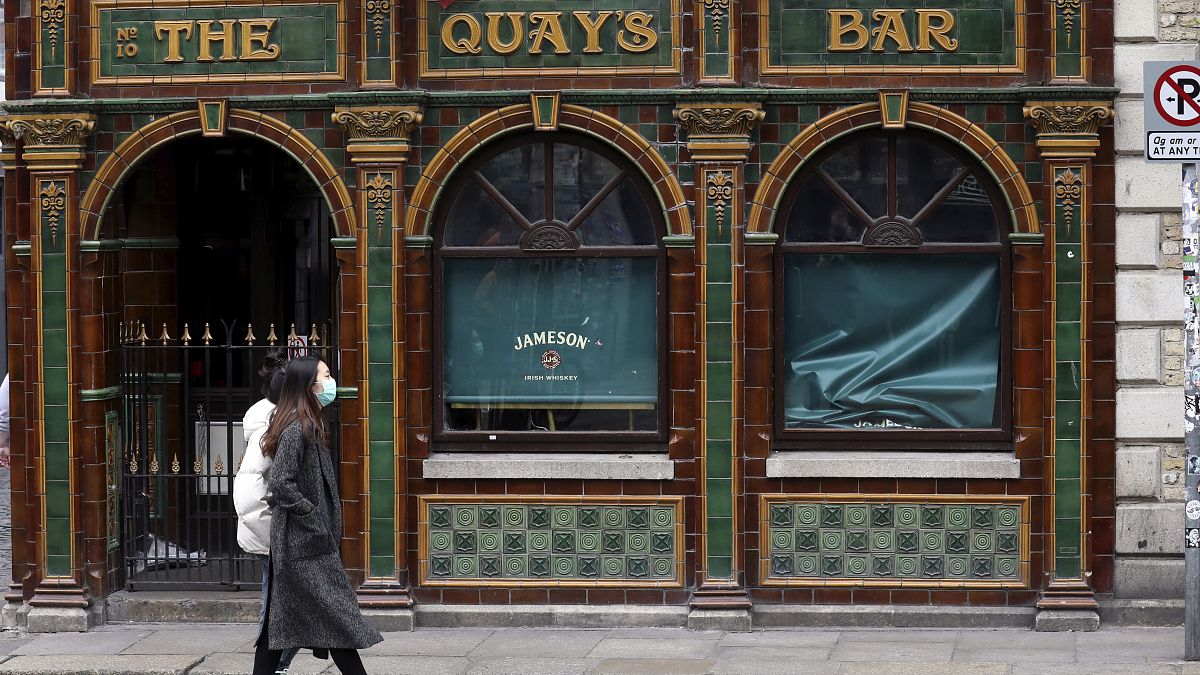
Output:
x=378 y=123
x=720 y=193
x=719 y=120
x=717 y=10
x=1068 y=118
x=50 y=131
x=1068 y=189
x=52 y=14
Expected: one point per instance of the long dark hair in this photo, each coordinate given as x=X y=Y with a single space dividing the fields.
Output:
x=296 y=402
x=271 y=372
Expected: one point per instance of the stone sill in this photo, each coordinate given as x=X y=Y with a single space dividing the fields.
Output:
x=549 y=466
x=887 y=464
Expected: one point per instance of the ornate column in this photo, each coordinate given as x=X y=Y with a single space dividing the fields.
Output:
x=718 y=141
x=1067 y=138
x=53 y=153
x=378 y=148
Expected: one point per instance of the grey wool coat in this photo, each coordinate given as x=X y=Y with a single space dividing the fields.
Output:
x=311 y=605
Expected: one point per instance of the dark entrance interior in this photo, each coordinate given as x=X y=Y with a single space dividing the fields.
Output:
x=227 y=239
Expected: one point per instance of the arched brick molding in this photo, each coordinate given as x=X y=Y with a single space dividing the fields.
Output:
x=931 y=118
x=187 y=123
x=519 y=118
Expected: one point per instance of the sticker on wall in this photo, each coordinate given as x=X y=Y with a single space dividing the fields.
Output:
x=1193 y=465
x=1192 y=537
x=1192 y=509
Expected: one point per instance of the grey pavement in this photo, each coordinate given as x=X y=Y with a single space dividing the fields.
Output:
x=226 y=649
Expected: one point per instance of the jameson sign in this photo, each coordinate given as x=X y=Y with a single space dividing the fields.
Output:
x=139 y=42
x=914 y=36
x=466 y=38
x=550 y=331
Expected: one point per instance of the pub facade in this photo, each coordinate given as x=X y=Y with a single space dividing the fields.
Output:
x=726 y=310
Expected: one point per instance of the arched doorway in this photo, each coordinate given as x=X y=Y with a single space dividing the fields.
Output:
x=226 y=257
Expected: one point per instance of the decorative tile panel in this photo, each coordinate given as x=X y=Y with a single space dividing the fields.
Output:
x=551 y=541
x=890 y=540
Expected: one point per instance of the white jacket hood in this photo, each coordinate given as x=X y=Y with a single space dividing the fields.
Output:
x=257 y=417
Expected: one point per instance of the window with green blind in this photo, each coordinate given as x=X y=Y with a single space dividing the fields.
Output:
x=894 y=296
x=549 y=270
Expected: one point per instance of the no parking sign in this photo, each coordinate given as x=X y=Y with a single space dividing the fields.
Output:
x=1172 y=111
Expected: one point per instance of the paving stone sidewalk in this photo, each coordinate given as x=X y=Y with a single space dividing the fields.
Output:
x=209 y=649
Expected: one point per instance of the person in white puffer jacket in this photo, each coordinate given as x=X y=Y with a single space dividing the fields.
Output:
x=250 y=484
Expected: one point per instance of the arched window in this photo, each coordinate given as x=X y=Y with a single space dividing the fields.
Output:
x=550 y=318
x=895 y=297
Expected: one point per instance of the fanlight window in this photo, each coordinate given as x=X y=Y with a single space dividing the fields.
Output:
x=550 y=317
x=894 y=289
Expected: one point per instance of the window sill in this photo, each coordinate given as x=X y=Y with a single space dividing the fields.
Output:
x=549 y=466
x=884 y=464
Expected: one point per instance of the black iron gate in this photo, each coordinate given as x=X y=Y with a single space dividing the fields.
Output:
x=184 y=399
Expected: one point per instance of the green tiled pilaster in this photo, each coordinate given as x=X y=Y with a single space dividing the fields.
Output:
x=718 y=31
x=379 y=188
x=52 y=42
x=378 y=40
x=56 y=419
x=1068 y=37
x=718 y=371
x=1069 y=247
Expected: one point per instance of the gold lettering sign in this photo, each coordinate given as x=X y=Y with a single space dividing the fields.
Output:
x=473 y=38
x=150 y=41
x=849 y=31
x=811 y=37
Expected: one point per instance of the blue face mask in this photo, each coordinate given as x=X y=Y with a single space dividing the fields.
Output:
x=328 y=392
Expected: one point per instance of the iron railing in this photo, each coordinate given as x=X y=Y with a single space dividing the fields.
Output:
x=183 y=403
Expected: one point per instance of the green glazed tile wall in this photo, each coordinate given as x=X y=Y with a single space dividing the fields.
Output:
x=378 y=40
x=1068 y=370
x=1068 y=38
x=931 y=541
x=380 y=190
x=602 y=543
x=52 y=204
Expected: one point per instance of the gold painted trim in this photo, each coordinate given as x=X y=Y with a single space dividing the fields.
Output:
x=230 y=78
x=540 y=123
x=423 y=553
x=222 y=116
x=424 y=71
x=765 y=66
x=886 y=121
x=1025 y=552
x=517 y=118
x=765 y=202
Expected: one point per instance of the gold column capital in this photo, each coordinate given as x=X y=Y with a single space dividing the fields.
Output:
x=719 y=132
x=1068 y=128
x=378 y=134
x=51 y=141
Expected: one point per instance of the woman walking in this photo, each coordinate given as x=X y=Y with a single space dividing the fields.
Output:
x=310 y=604
x=250 y=485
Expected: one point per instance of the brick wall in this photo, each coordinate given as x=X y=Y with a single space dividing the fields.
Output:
x=1149 y=544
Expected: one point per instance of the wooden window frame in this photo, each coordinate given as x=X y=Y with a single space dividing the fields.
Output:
x=987 y=438
x=616 y=441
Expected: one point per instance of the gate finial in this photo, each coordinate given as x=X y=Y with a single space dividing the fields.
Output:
x=250 y=334
x=164 y=337
x=186 y=338
x=142 y=337
x=313 y=339
x=207 y=337
x=271 y=337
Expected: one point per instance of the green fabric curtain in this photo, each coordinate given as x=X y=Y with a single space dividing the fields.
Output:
x=891 y=340
x=502 y=316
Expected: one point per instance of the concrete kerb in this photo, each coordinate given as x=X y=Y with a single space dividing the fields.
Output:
x=896 y=616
